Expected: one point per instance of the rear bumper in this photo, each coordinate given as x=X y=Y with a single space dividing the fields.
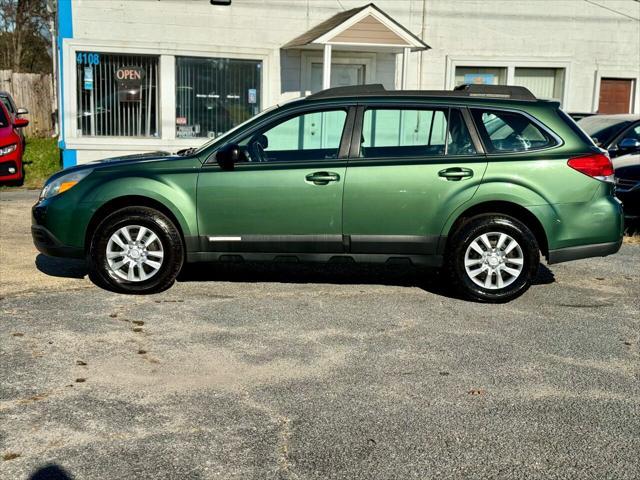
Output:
x=48 y=244
x=584 y=251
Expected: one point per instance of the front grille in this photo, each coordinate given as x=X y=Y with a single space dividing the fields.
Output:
x=5 y=166
x=626 y=184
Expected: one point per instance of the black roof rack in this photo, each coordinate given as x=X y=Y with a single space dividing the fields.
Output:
x=496 y=91
x=354 y=90
x=466 y=90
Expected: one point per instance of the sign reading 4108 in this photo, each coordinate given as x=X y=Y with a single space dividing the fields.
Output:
x=88 y=58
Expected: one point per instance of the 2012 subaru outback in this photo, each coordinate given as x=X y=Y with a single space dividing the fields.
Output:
x=479 y=181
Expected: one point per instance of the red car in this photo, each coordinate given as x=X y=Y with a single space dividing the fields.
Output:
x=11 y=148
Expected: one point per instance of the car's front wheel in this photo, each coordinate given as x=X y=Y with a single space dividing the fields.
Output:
x=493 y=258
x=136 y=250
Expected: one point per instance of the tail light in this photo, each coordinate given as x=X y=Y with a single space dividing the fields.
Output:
x=597 y=166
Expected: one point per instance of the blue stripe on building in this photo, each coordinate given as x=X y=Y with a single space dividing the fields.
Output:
x=65 y=30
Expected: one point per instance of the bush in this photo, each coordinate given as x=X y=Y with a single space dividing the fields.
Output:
x=41 y=159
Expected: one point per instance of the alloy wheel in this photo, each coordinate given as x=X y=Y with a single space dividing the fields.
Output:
x=134 y=253
x=494 y=260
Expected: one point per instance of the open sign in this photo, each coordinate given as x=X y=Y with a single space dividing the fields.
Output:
x=129 y=74
x=129 y=81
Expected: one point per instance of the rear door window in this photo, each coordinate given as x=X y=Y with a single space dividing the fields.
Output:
x=414 y=133
x=504 y=132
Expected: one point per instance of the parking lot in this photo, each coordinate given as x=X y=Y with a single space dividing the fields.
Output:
x=315 y=372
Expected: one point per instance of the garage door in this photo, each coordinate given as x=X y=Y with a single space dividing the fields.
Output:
x=615 y=95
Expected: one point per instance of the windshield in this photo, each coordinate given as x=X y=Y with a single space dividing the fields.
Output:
x=3 y=118
x=602 y=129
x=222 y=138
x=7 y=104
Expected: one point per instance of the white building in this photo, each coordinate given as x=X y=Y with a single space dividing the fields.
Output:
x=145 y=75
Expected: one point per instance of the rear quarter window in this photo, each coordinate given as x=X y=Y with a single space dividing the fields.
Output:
x=504 y=131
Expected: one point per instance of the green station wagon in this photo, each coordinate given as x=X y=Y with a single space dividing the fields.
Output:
x=479 y=181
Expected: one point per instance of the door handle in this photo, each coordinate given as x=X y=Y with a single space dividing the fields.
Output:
x=322 y=178
x=455 y=173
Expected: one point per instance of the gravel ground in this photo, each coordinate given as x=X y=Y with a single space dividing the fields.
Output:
x=314 y=372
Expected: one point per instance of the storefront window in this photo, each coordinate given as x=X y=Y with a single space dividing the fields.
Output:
x=117 y=94
x=481 y=75
x=546 y=83
x=215 y=94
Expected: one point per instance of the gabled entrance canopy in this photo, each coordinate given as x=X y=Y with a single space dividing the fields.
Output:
x=364 y=28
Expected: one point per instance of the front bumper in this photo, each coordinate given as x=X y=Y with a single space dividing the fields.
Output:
x=10 y=169
x=45 y=241
x=48 y=244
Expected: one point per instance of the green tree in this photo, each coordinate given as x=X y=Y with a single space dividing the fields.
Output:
x=25 y=41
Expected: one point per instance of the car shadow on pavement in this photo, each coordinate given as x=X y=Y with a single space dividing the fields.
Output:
x=61 y=267
x=51 y=472
x=544 y=276
x=403 y=275
x=430 y=280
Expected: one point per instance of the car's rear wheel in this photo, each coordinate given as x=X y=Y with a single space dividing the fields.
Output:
x=492 y=258
x=136 y=250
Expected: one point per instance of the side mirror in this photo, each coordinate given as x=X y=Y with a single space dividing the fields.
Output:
x=229 y=155
x=629 y=145
x=22 y=111
x=20 y=122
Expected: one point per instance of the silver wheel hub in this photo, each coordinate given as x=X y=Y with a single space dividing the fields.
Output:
x=134 y=253
x=494 y=260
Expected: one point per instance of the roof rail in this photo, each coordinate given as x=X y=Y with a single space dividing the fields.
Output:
x=467 y=90
x=370 y=89
x=496 y=91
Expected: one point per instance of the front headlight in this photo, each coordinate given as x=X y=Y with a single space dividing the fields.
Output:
x=7 y=150
x=63 y=183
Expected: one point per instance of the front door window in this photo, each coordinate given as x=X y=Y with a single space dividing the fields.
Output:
x=309 y=136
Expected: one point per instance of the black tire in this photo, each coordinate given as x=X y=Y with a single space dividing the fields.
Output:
x=167 y=234
x=472 y=230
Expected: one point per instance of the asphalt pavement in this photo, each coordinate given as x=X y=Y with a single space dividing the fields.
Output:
x=314 y=372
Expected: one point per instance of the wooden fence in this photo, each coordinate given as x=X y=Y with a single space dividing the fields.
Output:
x=34 y=92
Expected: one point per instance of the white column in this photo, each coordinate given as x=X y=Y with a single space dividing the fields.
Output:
x=405 y=67
x=511 y=75
x=167 y=97
x=326 y=67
